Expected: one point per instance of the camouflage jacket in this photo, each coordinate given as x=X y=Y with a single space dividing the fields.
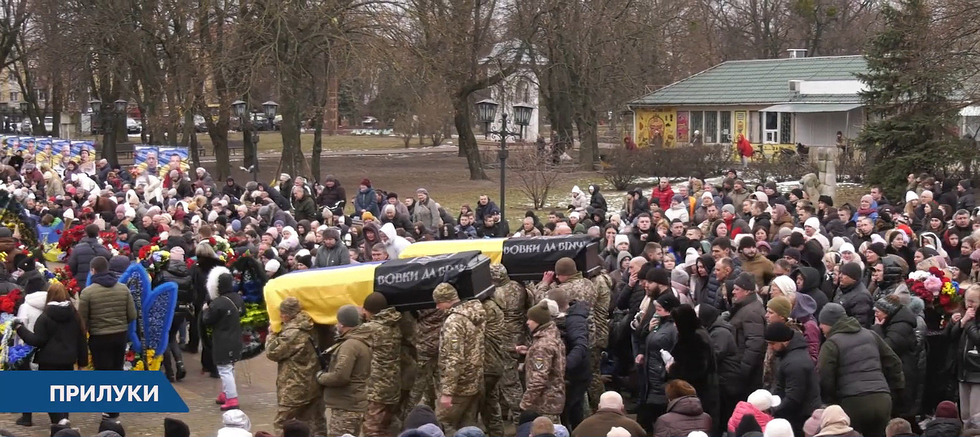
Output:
x=385 y=384
x=494 y=339
x=513 y=299
x=461 y=350
x=408 y=353
x=345 y=381
x=427 y=328
x=600 y=311
x=293 y=349
x=544 y=371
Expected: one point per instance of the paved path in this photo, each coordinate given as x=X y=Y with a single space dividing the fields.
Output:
x=257 y=393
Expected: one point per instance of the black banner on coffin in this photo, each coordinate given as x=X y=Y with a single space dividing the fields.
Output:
x=408 y=283
x=526 y=259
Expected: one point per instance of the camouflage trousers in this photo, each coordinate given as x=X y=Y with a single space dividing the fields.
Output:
x=460 y=414
x=596 y=386
x=344 y=422
x=489 y=406
x=377 y=419
x=424 y=389
x=511 y=390
x=311 y=413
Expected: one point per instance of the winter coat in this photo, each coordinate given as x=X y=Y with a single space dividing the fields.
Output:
x=32 y=281
x=484 y=210
x=329 y=197
x=724 y=348
x=694 y=362
x=58 y=336
x=706 y=289
x=663 y=196
x=461 y=354
x=637 y=242
x=743 y=408
x=857 y=302
x=943 y=427
x=654 y=369
x=82 y=254
x=106 y=310
x=199 y=277
x=797 y=383
x=868 y=366
x=327 y=257
x=293 y=350
x=597 y=201
x=967 y=358
x=759 y=266
x=31 y=309
x=544 y=370
x=224 y=316
x=748 y=319
x=574 y=329
x=345 y=379
x=178 y=273
x=428 y=213
x=898 y=331
x=366 y=201
x=600 y=423
x=684 y=415
x=811 y=286
x=396 y=244
x=305 y=209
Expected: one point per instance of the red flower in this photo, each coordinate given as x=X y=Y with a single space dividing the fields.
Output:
x=212 y=241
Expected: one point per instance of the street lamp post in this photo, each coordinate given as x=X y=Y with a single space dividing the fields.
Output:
x=486 y=112
x=240 y=108
x=5 y=109
x=23 y=113
x=108 y=120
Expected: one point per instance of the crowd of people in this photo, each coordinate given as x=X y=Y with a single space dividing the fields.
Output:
x=719 y=309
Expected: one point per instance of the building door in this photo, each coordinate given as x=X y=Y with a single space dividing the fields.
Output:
x=770 y=128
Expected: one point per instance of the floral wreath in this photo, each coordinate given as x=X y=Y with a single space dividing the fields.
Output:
x=934 y=287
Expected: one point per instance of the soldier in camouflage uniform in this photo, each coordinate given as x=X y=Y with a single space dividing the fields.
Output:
x=460 y=359
x=427 y=328
x=578 y=287
x=603 y=288
x=493 y=367
x=409 y=356
x=544 y=367
x=297 y=393
x=384 y=387
x=346 y=378
x=513 y=299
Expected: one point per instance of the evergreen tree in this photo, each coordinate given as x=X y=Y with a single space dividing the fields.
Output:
x=911 y=85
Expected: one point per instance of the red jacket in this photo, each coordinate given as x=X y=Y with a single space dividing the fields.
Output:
x=745 y=147
x=743 y=408
x=663 y=196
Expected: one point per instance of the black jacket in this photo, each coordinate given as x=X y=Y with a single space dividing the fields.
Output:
x=330 y=197
x=58 y=337
x=811 y=284
x=857 y=302
x=898 y=331
x=748 y=319
x=694 y=362
x=967 y=360
x=637 y=243
x=575 y=333
x=178 y=273
x=81 y=257
x=224 y=314
x=943 y=427
x=199 y=277
x=796 y=383
x=723 y=345
x=654 y=370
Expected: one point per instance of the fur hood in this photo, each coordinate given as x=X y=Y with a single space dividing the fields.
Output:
x=212 y=282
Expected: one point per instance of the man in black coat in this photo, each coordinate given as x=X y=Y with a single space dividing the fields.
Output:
x=853 y=295
x=796 y=380
x=642 y=233
x=574 y=326
x=748 y=318
x=83 y=253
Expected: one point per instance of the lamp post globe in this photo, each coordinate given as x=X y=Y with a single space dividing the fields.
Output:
x=522 y=114
x=270 y=109
x=486 y=110
x=120 y=105
x=95 y=105
x=238 y=107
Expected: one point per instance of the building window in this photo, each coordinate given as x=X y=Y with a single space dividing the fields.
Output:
x=770 y=127
x=697 y=123
x=785 y=128
x=12 y=76
x=41 y=94
x=726 y=127
x=710 y=127
x=14 y=96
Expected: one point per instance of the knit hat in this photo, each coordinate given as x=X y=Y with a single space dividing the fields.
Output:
x=827 y=200
x=781 y=306
x=763 y=244
x=745 y=281
x=778 y=428
x=375 y=302
x=812 y=222
x=422 y=191
x=847 y=248
x=658 y=276
x=812 y=425
x=621 y=238
x=290 y=306
x=831 y=313
x=778 y=332
x=878 y=249
x=886 y=305
x=668 y=301
x=272 y=266
x=910 y=196
x=470 y=431
x=112 y=425
x=175 y=428
x=120 y=263
x=349 y=316
x=792 y=252
x=729 y=208
x=236 y=419
x=763 y=400
x=539 y=313
x=746 y=242
x=565 y=267
x=851 y=270
x=947 y=410
x=418 y=416
x=366 y=182
x=785 y=284
x=618 y=431
x=445 y=292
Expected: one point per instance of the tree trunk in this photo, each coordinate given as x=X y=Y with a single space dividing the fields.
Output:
x=219 y=140
x=588 y=134
x=57 y=106
x=292 y=161
x=317 y=144
x=467 y=141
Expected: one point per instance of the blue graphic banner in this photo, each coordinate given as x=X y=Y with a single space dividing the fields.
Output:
x=89 y=391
